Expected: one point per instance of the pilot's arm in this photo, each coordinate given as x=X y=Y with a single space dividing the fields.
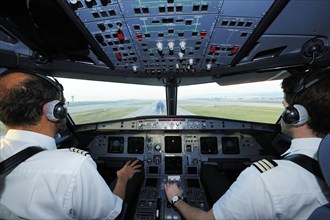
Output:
x=92 y=197
x=189 y=212
x=124 y=175
x=247 y=198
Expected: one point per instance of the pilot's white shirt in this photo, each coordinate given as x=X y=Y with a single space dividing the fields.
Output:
x=287 y=191
x=54 y=184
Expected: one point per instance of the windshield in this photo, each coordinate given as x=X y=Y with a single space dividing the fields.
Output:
x=258 y=102
x=92 y=101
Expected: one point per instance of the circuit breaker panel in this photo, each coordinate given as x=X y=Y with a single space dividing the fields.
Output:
x=155 y=37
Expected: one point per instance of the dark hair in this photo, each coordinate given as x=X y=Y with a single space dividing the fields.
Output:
x=316 y=98
x=21 y=104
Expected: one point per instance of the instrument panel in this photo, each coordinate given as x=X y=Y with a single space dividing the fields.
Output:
x=154 y=37
x=175 y=149
x=176 y=157
x=155 y=147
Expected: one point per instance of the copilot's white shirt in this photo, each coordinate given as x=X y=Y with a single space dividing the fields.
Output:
x=54 y=184
x=287 y=191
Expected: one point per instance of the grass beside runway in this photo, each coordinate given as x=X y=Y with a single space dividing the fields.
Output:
x=99 y=115
x=239 y=112
x=246 y=112
x=89 y=116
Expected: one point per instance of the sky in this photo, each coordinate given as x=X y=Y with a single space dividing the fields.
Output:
x=84 y=90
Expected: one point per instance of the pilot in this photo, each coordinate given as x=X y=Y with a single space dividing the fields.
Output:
x=282 y=190
x=52 y=184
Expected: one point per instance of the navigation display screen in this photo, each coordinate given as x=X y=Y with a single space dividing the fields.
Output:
x=209 y=145
x=173 y=165
x=230 y=145
x=173 y=144
x=116 y=145
x=135 y=145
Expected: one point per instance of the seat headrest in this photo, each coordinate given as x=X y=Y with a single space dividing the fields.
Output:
x=324 y=158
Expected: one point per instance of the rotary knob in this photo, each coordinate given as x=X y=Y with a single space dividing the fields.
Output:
x=149 y=160
x=157 y=147
x=157 y=159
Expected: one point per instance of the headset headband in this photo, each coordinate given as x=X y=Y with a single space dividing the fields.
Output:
x=52 y=81
x=58 y=86
x=301 y=86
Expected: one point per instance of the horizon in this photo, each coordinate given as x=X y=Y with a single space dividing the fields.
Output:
x=108 y=91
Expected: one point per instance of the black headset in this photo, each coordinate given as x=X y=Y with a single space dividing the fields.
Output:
x=55 y=110
x=296 y=114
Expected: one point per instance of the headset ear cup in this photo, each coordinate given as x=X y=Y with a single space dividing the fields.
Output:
x=55 y=110
x=290 y=115
x=303 y=115
x=295 y=115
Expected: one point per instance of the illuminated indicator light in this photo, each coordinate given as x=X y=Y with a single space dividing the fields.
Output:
x=177 y=66
x=191 y=61
x=182 y=45
x=134 y=68
x=139 y=36
x=73 y=1
x=180 y=55
x=208 y=66
x=171 y=46
x=234 y=50
x=213 y=48
x=159 y=46
x=203 y=34
x=120 y=35
x=118 y=56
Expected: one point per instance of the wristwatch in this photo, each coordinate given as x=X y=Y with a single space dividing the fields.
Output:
x=175 y=199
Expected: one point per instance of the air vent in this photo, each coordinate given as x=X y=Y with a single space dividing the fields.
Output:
x=269 y=53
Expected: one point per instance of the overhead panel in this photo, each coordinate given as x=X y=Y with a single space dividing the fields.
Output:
x=158 y=37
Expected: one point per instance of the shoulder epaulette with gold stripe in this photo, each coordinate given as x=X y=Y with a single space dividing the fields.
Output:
x=264 y=165
x=79 y=151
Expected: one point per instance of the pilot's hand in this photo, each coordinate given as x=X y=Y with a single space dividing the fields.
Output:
x=172 y=189
x=128 y=171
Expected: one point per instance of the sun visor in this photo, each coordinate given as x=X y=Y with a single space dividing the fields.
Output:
x=251 y=77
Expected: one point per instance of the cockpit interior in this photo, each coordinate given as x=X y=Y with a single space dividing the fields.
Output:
x=168 y=44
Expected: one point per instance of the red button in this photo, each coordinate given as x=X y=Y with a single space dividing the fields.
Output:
x=118 y=56
x=139 y=36
x=213 y=48
x=234 y=50
x=202 y=35
x=120 y=35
